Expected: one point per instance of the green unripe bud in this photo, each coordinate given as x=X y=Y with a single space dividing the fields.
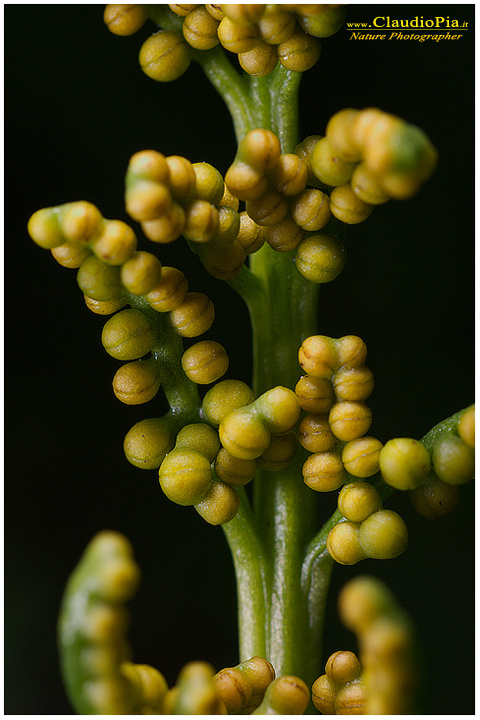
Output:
x=219 y=505
x=209 y=183
x=136 y=382
x=311 y=210
x=383 y=535
x=200 y=29
x=170 y=292
x=327 y=167
x=98 y=280
x=259 y=61
x=194 y=316
x=195 y=692
x=361 y=457
x=358 y=500
x=70 y=255
x=147 y=443
x=205 y=362
x=300 y=52
x=199 y=437
x=288 y=695
x=315 y=395
x=404 y=463
x=164 y=56
x=244 y=434
x=324 y=472
x=320 y=258
x=349 y=420
x=435 y=499
x=185 y=476
x=343 y=543
x=124 y=19
x=141 y=273
x=314 y=434
x=223 y=398
x=279 y=408
x=453 y=460
x=347 y=207
x=128 y=335
x=232 y=470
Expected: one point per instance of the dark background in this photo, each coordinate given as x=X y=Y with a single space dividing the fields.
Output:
x=77 y=107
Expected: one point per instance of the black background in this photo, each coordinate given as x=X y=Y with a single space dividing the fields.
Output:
x=77 y=107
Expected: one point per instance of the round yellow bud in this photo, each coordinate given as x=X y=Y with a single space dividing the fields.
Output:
x=259 y=61
x=315 y=395
x=347 y=207
x=234 y=689
x=219 y=505
x=250 y=235
x=290 y=174
x=300 y=52
x=361 y=457
x=147 y=200
x=320 y=258
x=70 y=255
x=280 y=452
x=170 y=292
x=339 y=134
x=164 y=56
x=115 y=244
x=148 y=165
x=343 y=667
x=324 y=22
x=351 y=351
x=324 y=692
x=209 y=183
x=44 y=229
x=328 y=167
x=358 y=500
x=232 y=470
x=284 y=236
x=124 y=19
x=318 y=356
x=80 y=221
x=201 y=221
x=98 y=280
x=136 y=382
x=349 y=420
x=181 y=177
x=225 y=396
x=260 y=149
x=243 y=14
x=324 y=472
x=311 y=209
x=167 y=227
x=276 y=24
x=205 y=362
x=182 y=10
x=200 y=29
x=104 y=307
x=466 y=426
x=351 y=699
x=185 y=476
x=200 y=437
x=244 y=434
x=279 y=408
x=314 y=434
x=237 y=38
x=287 y=695
x=194 y=316
x=343 y=544
x=270 y=209
x=353 y=383
x=367 y=187
x=141 y=273
x=383 y=535
x=404 y=463
x=453 y=460
x=147 y=443
x=128 y=335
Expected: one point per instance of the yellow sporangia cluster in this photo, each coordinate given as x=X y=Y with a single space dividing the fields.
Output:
x=260 y=36
x=340 y=691
x=211 y=459
x=170 y=197
x=333 y=393
x=433 y=474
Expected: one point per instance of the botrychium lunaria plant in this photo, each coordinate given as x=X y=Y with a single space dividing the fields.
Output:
x=255 y=459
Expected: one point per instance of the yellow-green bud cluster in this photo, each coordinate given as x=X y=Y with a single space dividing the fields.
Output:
x=333 y=393
x=386 y=646
x=287 y=695
x=261 y=36
x=274 y=187
x=186 y=476
x=194 y=693
x=369 y=531
x=170 y=197
x=368 y=157
x=432 y=474
x=340 y=691
x=242 y=688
